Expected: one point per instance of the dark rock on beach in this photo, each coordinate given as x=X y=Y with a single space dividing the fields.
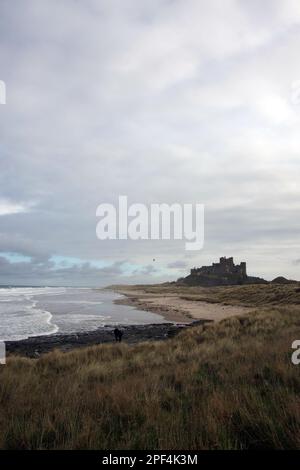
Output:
x=35 y=346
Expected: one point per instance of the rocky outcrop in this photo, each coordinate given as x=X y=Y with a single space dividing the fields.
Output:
x=282 y=280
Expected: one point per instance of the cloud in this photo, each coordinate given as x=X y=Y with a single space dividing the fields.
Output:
x=32 y=272
x=161 y=100
x=8 y=207
x=179 y=264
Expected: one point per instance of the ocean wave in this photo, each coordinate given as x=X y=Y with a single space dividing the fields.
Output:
x=20 y=318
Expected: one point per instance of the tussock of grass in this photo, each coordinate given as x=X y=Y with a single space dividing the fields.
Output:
x=229 y=385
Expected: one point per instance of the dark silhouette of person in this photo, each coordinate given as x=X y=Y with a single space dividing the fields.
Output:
x=118 y=334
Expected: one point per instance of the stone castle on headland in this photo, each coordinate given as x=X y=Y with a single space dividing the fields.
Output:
x=224 y=267
x=224 y=273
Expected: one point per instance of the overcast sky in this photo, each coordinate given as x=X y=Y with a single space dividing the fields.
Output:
x=160 y=100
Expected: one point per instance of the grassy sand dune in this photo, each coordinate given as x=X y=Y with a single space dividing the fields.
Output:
x=227 y=385
x=249 y=296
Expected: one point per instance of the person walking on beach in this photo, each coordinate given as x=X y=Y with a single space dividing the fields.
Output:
x=118 y=334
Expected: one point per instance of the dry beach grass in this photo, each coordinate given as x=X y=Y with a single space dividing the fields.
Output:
x=225 y=385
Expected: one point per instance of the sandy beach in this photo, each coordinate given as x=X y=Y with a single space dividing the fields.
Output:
x=177 y=309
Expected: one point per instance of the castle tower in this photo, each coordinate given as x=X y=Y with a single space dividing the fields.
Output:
x=243 y=268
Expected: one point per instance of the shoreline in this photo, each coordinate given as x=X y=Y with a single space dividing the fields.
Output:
x=177 y=313
x=169 y=313
x=36 y=346
x=177 y=309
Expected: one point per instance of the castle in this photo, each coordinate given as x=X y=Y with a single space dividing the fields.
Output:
x=224 y=267
x=224 y=273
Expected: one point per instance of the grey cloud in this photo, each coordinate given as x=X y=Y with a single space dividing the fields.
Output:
x=161 y=100
x=179 y=264
x=85 y=274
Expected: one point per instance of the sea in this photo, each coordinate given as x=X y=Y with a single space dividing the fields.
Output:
x=35 y=311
